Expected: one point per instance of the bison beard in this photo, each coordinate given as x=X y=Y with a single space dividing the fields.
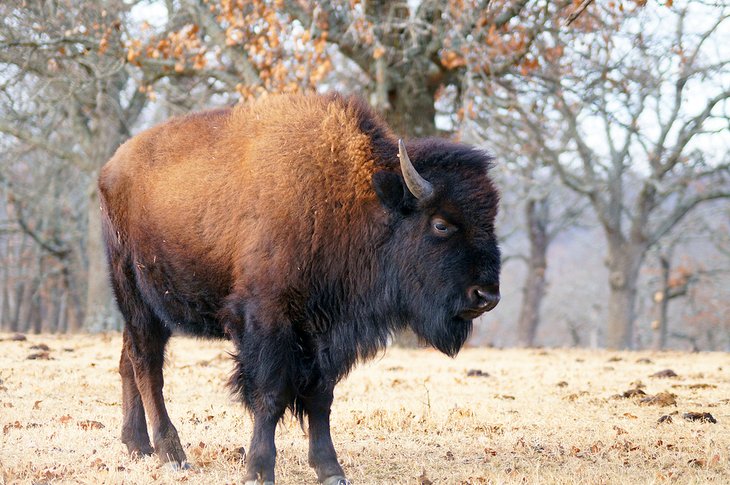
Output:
x=299 y=227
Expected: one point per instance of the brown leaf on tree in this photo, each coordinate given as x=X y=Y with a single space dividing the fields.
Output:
x=452 y=60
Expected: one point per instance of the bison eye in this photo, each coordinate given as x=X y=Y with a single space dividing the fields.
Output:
x=441 y=228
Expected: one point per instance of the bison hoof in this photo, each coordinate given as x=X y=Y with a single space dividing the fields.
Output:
x=138 y=451
x=175 y=466
x=170 y=450
x=336 y=480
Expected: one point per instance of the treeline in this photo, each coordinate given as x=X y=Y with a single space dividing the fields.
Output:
x=600 y=115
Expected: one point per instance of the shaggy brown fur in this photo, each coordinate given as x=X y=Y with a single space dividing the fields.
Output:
x=286 y=226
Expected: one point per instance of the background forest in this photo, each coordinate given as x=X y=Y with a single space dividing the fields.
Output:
x=609 y=120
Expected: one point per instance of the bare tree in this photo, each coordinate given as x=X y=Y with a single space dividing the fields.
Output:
x=547 y=208
x=66 y=105
x=629 y=109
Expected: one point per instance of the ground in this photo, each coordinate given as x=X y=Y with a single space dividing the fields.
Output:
x=409 y=416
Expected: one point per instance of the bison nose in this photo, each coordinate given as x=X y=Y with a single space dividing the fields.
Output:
x=485 y=298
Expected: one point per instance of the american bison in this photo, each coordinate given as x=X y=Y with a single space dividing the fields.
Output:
x=301 y=228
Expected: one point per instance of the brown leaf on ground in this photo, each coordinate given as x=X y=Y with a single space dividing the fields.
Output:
x=476 y=373
x=644 y=360
x=37 y=404
x=633 y=393
x=562 y=384
x=661 y=399
x=615 y=358
x=90 y=424
x=18 y=337
x=665 y=419
x=695 y=386
x=490 y=452
x=575 y=395
x=703 y=417
x=39 y=356
x=40 y=347
x=698 y=462
x=619 y=430
x=664 y=373
x=423 y=479
x=64 y=419
x=9 y=426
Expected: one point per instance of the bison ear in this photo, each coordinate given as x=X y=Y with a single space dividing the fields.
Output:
x=390 y=189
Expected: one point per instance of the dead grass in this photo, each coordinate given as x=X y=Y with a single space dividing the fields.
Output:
x=553 y=416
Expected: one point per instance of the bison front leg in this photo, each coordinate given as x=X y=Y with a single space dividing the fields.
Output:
x=261 y=379
x=322 y=456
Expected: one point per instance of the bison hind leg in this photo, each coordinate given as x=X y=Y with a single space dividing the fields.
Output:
x=143 y=355
x=134 y=425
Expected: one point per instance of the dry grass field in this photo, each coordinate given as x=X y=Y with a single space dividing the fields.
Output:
x=410 y=416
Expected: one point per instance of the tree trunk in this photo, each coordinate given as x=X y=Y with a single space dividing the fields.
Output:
x=405 y=86
x=661 y=300
x=3 y=303
x=17 y=304
x=411 y=111
x=624 y=262
x=101 y=310
x=537 y=212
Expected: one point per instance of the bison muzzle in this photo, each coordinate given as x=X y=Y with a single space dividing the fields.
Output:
x=303 y=230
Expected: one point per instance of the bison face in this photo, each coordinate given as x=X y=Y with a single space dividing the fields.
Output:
x=442 y=258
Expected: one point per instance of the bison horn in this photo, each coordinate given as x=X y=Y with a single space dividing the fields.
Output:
x=419 y=186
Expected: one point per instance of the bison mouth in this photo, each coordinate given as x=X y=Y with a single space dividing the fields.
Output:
x=472 y=313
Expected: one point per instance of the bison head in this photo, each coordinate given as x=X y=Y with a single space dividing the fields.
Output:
x=442 y=259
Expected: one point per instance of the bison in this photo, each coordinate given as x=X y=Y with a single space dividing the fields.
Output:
x=302 y=229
